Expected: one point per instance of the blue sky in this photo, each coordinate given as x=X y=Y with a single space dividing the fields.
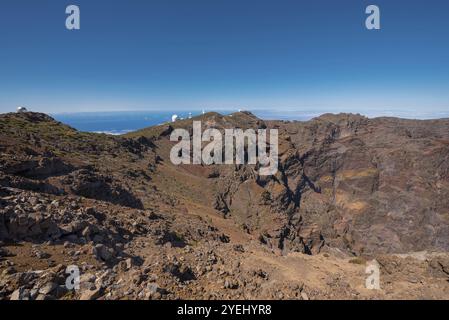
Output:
x=175 y=54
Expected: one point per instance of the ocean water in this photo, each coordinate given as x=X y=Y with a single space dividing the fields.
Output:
x=116 y=123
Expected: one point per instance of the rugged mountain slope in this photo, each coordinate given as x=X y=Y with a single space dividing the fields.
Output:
x=140 y=227
x=363 y=185
x=377 y=185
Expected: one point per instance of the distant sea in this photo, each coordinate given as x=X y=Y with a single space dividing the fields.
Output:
x=114 y=123
x=121 y=122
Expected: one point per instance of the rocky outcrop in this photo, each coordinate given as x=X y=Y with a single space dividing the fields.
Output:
x=90 y=184
x=38 y=168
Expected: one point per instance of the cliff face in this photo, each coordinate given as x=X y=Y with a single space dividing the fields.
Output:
x=363 y=185
x=369 y=185
x=346 y=185
x=399 y=173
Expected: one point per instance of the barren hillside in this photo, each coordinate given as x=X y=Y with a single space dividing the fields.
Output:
x=349 y=189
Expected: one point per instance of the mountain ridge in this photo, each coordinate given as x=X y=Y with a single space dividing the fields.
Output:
x=348 y=186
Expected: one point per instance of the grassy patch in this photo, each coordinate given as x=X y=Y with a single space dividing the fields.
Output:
x=357 y=260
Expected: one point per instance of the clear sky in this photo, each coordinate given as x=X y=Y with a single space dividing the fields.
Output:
x=278 y=55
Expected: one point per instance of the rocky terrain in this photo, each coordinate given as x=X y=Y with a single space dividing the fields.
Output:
x=349 y=189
